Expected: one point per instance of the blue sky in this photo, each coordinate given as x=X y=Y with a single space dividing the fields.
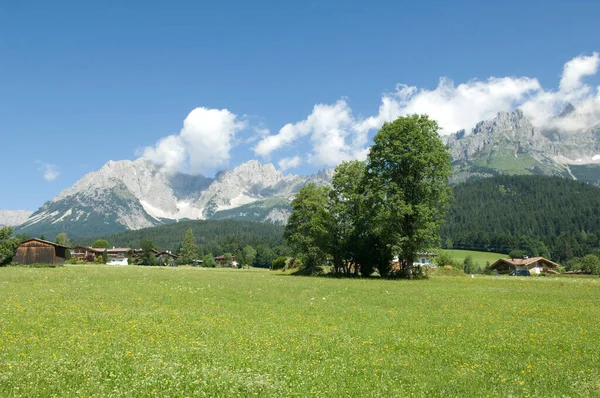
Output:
x=82 y=83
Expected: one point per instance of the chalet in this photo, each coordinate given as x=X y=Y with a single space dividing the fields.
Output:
x=34 y=251
x=166 y=258
x=535 y=265
x=221 y=259
x=116 y=255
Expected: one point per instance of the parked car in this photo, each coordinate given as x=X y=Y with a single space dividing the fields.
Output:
x=520 y=272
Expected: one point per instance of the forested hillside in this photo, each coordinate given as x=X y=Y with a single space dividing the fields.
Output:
x=216 y=237
x=548 y=216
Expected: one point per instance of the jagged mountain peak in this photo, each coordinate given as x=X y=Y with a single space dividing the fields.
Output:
x=510 y=144
x=129 y=194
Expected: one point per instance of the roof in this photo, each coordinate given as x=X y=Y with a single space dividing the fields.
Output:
x=44 y=241
x=168 y=254
x=523 y=262
x=101 y=249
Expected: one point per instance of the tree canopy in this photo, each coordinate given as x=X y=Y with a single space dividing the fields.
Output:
x=308 y=227
x=189 y=249
x=101 y=244
x=62 y=239
x=392 y=204
x=408 y=169
x=148 y=257
x=8 y=244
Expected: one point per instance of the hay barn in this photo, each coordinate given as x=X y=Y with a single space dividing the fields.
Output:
x=34 y=251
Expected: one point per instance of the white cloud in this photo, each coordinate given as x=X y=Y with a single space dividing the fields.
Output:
x=545 y=105
x=337 y=135
x=576 y=69
x=289 y=163
x=49 y=171
x=169 y=153
x=331 y=130
x=205 y=141
x=455 y=107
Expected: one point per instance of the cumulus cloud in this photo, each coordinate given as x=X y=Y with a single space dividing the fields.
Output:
x=337 y=135
x=455 y=107
x=332 y=134
x=543 y=108
x=49 y=171
x=205 y=141
x=289 y=163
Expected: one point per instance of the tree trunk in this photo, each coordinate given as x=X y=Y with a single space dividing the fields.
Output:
x=407 y=266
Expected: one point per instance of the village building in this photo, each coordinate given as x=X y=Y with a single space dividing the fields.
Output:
x=424 y=259
x=166 y=258
x=116 y=255
x=221 y=259
x=535 y=265
x=33 y=251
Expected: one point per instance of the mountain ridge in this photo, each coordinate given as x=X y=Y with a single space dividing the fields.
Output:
x=129 y=195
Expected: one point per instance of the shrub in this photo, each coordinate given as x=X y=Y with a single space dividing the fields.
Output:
x=293 y=263
x=279 y=263
x=444 y=258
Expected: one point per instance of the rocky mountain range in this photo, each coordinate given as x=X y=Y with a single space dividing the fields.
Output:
x=510 y=144
x=136 y=194
x=11 y=218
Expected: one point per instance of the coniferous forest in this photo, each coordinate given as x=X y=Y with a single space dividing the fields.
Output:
x=546 y=216
x=215 y=237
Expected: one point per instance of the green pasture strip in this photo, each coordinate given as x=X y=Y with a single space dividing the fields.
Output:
x=149 y=331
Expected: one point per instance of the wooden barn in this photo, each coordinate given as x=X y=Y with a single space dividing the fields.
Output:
x=34 y=251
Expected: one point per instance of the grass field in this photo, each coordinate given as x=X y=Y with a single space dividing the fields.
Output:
x=479 y=258
x=142 y=331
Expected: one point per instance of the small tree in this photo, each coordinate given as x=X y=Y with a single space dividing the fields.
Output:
x=8 y=245
x=148 y=257
x=468 y=265
x=248 y=255
x=101 y=244
x=62 y=239
x=264 y=256
x=278 y=263
x=105 y=257
x=589 y=264
x=517 y=253
x=227 y=260
x=209 y=261
x=189 y=249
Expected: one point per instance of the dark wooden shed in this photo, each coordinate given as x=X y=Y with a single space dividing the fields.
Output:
x=34 y=251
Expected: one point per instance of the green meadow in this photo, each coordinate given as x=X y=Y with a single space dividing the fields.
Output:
x=479 y=258
x=149 y=331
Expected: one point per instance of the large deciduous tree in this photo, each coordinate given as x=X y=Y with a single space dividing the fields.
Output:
x=347 y=204
x=309 y=226
x=408 y=169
